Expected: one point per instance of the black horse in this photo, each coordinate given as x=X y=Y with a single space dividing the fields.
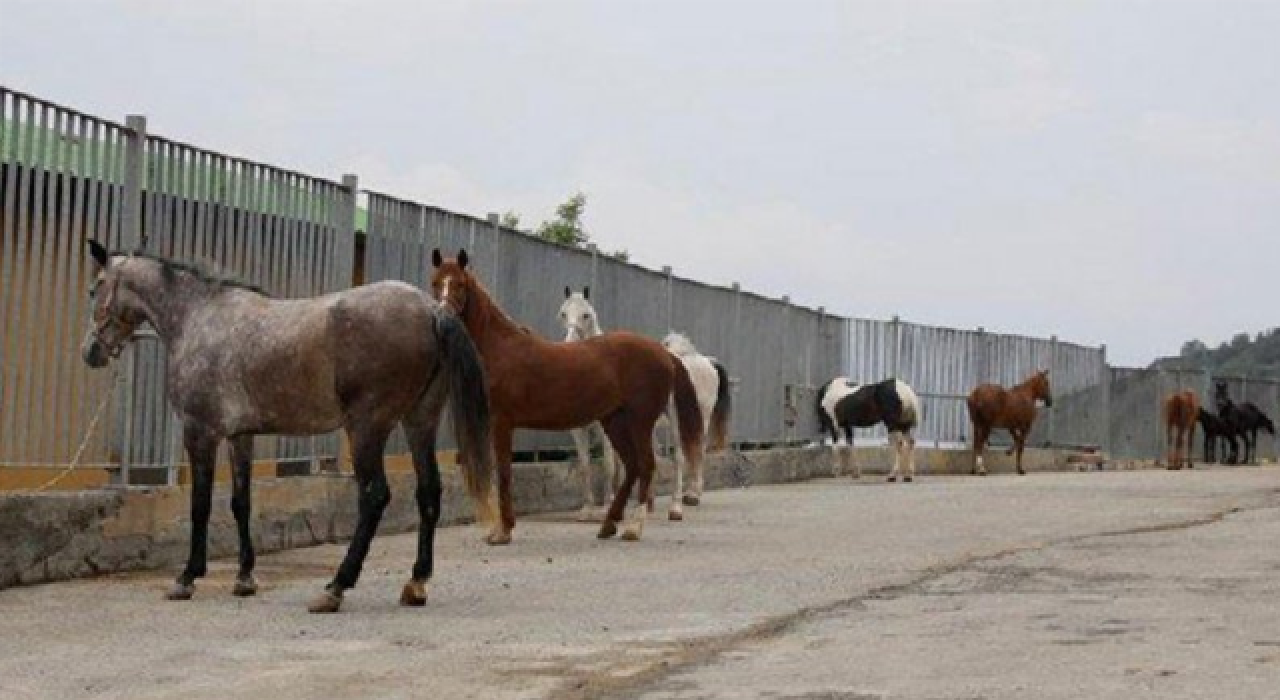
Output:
x=1214 y=431
x=1242 y=421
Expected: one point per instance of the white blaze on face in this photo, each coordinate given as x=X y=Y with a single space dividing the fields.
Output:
x=444 y=291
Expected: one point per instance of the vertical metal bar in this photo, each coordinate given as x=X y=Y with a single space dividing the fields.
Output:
x=30 y=260
x=10 y=237
x=60 y=419
x=131 y=211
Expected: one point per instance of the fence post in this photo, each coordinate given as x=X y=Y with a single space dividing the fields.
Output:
x=666 y=270
x=344 y=271
x=1053 y=373
x=1104 y=437
x=895 y=337
x=131 y=238
x=980 y=363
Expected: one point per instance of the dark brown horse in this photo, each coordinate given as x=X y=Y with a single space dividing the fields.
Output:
x=1179 y=414
x=620 y=379
x=992 y=406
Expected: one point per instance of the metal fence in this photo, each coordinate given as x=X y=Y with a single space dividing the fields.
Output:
x=66 y=176
x=944 y=364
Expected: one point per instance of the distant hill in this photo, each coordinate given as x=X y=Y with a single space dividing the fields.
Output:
x=1257 y=356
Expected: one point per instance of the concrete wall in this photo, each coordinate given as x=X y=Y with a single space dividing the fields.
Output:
x=61 y=535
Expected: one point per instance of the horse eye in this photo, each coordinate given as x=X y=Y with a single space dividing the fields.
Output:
x=586 y=317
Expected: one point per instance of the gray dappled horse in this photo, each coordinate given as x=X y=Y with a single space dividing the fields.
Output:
x=240 y=363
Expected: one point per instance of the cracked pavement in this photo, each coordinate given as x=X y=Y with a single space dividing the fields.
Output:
x=1100 y=585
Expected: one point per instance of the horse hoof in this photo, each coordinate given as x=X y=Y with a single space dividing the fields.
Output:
x=690 y=500
x=244 y=587
x=607 y=530
x=498 y=539
x=892 y=479
x=326 y=602
x=181 y=591
x=414 y=594
x=1022 y=472
x=630 y=535
x=675 y=515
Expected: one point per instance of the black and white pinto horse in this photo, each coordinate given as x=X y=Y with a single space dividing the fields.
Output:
x=844 y=405
x=1242 y=421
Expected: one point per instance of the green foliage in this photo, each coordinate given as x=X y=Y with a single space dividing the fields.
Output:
x=509 y=219
x=1258 y=356
x=566 y=228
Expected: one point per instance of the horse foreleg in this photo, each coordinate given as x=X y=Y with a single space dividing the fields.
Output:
x=503 y=433
x=895 y=447
x=1019 y=442
x=241 y=484
x=850 y=458
x=911 y=458
x=202 y=448
x=980 y=435
x=582 y=443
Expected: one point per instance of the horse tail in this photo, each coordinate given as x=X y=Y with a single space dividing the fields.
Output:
x=688 y=414
x=723 y=406
x=824 y=420
x=469 y=410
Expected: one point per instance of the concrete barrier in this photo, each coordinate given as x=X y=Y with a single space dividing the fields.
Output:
x=61 y=535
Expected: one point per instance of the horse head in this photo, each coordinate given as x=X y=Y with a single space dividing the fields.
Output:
x=1040 y=388
x=451 y=282
x=115 y=311
x=578 y=316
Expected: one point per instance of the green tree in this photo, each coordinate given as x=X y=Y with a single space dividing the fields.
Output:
x=510 y=219
x=566 y=228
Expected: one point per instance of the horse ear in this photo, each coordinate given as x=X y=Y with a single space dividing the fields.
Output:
x=586 y=293
x=98 y=253
x=567 y=292
x=462 y=258
x=1044 y=373
x=436 y=258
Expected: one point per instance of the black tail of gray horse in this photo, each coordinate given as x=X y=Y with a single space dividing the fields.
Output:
x=469 y=410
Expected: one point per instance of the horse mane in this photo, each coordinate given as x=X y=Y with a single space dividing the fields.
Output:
x=679 y=344
x=217 y=282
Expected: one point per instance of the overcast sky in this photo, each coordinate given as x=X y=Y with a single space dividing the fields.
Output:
x=1109 y=172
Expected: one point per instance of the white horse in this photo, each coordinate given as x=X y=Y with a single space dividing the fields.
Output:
x=580 y=322
x=844 y=405
x=710 y=381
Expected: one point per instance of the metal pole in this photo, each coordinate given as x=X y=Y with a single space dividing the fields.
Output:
x=344 y=274
x=666 y=270
x=1054 y=372
x=134 y=178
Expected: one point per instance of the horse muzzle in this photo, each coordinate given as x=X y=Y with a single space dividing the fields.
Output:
x=94 y=355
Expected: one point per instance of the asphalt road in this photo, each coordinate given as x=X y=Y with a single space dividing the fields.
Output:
x=1095 y=585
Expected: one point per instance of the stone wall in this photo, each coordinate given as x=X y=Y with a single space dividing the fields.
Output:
x=54 y=536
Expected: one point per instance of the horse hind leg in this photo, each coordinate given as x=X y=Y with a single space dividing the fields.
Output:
x=643 y=442
x=241 y=480
x=910 y=451
x=367 y=445
x=420 y=429
x=615 y=428
x=503 y=434
x=980 y=435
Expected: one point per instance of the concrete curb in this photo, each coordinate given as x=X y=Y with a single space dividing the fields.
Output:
x=55 y=536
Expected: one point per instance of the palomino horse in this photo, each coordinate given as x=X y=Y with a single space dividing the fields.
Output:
x=241 y=364
x=844 y=405
x=1179 y=414
x=580 y=322
x=991 y=406
x=620 y=379
x=710 y=380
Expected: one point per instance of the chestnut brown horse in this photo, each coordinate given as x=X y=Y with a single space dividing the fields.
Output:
x=620 y=379
x=992 y=406
x=1179 y=413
